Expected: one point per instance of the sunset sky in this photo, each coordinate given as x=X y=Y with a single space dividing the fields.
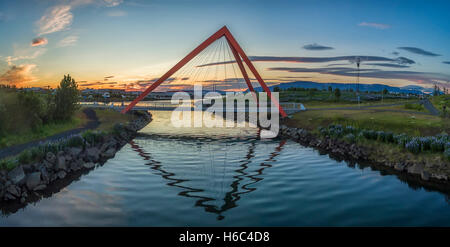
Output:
x=115 y=43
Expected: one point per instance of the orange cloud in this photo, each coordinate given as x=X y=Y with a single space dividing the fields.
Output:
x=18 y=74
x=39 y=41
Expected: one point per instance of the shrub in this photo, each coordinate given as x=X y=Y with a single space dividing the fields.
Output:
x=389 y=137
x=8 y=164
x=381 y=136
x=350 y=130
x=75 y=141
x=350 y=138
x=323 y=131
x=25 y=157
x=37 y=153
x=447 y=153
x=425 y=143
x=437 y=145
x=413 y=146
x=92 y=137
x=401 y=139
x=370 y=134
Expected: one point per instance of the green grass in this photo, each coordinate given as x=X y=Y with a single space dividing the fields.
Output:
x=43 y=131
x=397 y=122
x=440 y=101
x=108 y=118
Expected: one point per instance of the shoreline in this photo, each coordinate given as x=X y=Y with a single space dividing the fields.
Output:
x=30 y=182
x=353 y=153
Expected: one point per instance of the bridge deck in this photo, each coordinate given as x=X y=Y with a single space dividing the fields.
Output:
x=289 y=108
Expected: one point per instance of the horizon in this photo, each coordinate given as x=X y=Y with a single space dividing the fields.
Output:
x=120 y=44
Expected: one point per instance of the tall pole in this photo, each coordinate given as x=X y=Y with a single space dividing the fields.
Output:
x=358 y=61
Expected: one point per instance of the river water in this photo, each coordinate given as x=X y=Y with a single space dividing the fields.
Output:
x=171 y=176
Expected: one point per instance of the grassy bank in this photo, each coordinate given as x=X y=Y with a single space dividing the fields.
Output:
x=108 y=118
x=381 y=131
x=440 y=101
x=43 y=131
x=412 y=123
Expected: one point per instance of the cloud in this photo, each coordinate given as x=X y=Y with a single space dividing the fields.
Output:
x=116 y=13
x=25 y=54
x=414 y=76
x=374 y=25
x=395 y=53
x=56 y=19
x=317 y=47
x=70 y=40
x=446 y=62
x=98 y=83
x=389 y=65
x=404 y=60
x=18 y=74
x=112 y=3
x=351 y=59
x=39 y=41
x=419 y=51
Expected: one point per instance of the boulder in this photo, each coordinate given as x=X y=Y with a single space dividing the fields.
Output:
x=61 y=174
x=109 y=153
x=2 y=191
x=416 y=169
x=44 y=175
x=89 y=165
x=8 y=197
x=75 y=152
x=28 y=168
x=13 y=190
x=40 y=187
x=51 y=157
x=92 y=154
x=17 y=175
x=68 y=158
x=48 y=165
x=76 y=165
x=61 y=163
x=399 y=167
x=425 y=175
x=33 y=180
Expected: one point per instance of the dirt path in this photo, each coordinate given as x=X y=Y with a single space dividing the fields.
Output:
x=92 y=123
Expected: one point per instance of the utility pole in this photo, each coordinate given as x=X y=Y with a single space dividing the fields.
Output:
x=358 y=61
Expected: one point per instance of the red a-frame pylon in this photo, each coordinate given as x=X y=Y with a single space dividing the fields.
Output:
x=238 y=54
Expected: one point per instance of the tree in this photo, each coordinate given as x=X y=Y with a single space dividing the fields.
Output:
x=66 y=99
x=330 y=89
x=337 y=93
x=276 y=89
x=385 y=91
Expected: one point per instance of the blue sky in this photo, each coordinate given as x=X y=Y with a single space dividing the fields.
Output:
x=114 y=43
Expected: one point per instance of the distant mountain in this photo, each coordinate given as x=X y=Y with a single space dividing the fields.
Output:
x=412 y=89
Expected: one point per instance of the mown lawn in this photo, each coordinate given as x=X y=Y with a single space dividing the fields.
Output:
x=398 y=122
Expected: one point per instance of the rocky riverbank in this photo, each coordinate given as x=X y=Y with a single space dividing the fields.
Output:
x=29 y=181
x=436 y=173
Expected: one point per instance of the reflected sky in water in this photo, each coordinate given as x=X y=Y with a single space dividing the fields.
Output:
x=228 y=177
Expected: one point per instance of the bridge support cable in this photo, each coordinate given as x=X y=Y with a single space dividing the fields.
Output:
x=239 y=56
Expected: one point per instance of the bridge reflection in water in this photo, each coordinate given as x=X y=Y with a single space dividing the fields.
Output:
x=242 y=182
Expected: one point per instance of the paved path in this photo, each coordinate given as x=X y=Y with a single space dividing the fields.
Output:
x=430 y=107
x=93 y=123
